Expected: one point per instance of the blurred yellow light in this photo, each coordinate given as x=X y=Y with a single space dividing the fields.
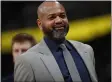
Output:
x=81 y=30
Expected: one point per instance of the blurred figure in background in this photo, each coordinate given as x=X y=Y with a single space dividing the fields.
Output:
x=20 y=43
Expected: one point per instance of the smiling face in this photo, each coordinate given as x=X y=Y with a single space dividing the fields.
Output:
x=53 y=20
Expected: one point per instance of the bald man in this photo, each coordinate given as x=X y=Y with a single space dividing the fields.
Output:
x=55 y=59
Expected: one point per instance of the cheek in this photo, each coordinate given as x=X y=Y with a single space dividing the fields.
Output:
x=48 y=25
x=66 y=21
x=15 y=54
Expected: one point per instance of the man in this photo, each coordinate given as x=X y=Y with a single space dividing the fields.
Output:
x=20 y=44
x=55 y=59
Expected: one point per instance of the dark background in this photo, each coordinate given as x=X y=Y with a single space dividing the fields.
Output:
x=16 y=15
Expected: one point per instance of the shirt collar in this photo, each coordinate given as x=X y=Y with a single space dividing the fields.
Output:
x=53 y=45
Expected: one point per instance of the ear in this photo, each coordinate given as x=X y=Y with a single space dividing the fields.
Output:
x=39 y=24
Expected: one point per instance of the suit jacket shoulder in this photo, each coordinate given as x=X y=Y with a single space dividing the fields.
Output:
x=80 y=44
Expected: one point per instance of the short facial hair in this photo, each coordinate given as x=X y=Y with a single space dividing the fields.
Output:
x=54 y=33
x=57 y=34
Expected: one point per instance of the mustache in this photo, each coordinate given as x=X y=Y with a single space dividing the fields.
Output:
x=61 y=25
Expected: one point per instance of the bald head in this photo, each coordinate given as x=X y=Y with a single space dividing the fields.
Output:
x=46 y=6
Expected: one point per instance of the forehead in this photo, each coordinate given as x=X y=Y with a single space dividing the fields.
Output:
x=55 y=10
x=52 y=8
x=25 y=44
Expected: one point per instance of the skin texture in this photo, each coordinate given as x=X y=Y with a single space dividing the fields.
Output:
x=52 y=20
x=19 y=48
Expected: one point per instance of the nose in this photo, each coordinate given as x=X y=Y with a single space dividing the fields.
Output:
x=20 y=52
x=58 y=20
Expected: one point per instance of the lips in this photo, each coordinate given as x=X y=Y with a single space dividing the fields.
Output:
x=59 y=28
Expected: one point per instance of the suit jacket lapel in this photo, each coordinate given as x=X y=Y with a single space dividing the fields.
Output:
x=50 y=62
x=85 y=56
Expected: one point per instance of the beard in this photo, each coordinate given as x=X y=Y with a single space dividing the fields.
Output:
x=56 y=33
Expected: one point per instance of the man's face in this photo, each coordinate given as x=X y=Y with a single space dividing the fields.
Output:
x=19 y=48
x=54 y=22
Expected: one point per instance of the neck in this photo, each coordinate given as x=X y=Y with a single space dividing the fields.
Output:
x=58 y=41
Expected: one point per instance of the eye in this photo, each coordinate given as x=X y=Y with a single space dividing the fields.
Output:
x=16 y=50
x=23 y=50
x=62 y=15
x=52 y=17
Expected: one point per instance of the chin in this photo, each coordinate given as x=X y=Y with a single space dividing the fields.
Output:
x=59 y=38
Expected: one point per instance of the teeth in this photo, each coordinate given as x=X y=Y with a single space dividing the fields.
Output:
x=60 y=28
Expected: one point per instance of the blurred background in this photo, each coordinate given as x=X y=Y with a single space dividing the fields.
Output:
x=89 y=23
